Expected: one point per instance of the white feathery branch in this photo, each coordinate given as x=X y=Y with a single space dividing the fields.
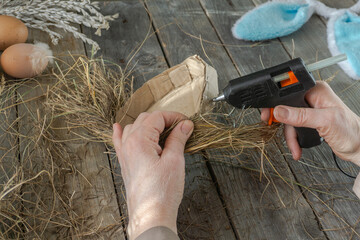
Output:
x=46 y=14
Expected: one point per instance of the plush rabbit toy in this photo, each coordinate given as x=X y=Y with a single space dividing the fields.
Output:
x=280 y=18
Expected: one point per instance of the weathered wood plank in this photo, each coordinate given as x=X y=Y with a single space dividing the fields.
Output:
x=339 y=4
x=201 y=213
x=222 y=16
x=9 y=161
x=88 y=186
x=8 y=142
x=337 y=216
x=131 y=41
x=181 y=25
x=195 y=221
x=251 y=217
x=119 y=45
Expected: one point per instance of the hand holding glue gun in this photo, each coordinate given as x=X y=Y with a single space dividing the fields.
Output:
x=312 y=112
x=332 y=119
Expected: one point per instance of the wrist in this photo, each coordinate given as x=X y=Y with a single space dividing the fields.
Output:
x=143 y=219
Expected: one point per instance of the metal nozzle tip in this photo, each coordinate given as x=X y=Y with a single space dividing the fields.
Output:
x=219 y=98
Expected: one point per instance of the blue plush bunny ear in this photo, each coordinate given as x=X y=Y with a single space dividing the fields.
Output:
x=344 y=37
x=272 y=20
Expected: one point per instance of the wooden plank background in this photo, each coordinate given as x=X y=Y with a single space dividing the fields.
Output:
x=194 y=218
x=224 y=198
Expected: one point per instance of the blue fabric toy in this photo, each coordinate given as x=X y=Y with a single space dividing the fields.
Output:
x=272 y=20
x=280 y=18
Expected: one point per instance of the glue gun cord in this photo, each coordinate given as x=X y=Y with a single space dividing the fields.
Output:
x=338 y=166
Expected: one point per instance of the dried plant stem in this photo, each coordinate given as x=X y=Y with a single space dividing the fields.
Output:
x=91 y=102
x=86 y=94
x=47 y=14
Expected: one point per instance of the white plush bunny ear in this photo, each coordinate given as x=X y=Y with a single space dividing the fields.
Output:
x=344 y=37
x=272 y=20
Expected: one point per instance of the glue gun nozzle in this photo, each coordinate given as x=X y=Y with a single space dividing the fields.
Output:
x=219 y=98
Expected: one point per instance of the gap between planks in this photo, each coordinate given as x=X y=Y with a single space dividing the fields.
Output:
x=276 y=142
x=156 y=33
x=117 y=194
x=205 y=155
x=292 y=171
x=208 y=165
x=217 y=187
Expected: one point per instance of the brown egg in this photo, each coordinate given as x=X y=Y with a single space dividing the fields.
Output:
x=12 y=31
x=24 y=60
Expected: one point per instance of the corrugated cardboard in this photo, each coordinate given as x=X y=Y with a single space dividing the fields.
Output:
x=181 y=88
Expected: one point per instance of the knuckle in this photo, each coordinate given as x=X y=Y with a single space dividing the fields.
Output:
x=133 y=142
x=127 y=127
x=302 y=116
x=156 y=114
x=322 y=84
x=141 y=137
x=324 y=87
x=140 y=132
x=143 y=115
x=149 y=133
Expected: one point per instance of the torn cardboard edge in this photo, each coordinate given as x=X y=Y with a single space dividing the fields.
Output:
x=181 y=88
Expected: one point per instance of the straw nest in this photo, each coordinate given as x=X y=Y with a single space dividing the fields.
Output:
x=89 y=92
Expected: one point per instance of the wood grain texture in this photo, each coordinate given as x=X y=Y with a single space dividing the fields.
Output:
x=181 y=25
x=338 y=4
x=8 y=142
x=250 y=59
x=338 y=216
x=252 y=215
x=131 y=41
x=238 y=204
x=201 y=213
x=9 y=160
x=89 y=186
x=195 y=221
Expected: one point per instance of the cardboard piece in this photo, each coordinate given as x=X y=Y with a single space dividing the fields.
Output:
x=181 y=88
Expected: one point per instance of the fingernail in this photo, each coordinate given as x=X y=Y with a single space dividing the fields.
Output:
x=187 y=127
x=281 y=113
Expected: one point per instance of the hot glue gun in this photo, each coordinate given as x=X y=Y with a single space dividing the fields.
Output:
x=284 y=84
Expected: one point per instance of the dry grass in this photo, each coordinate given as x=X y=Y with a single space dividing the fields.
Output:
x=209 y=133
x=36 y=200
x=36 y=171
x=87 y=96
x=35 y=197
x=91 y=102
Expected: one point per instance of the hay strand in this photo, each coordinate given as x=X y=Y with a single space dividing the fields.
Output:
x=89 y=92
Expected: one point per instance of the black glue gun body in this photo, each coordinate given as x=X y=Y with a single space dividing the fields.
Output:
x=266 y=89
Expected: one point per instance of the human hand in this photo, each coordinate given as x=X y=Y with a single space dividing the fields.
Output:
x=153 y=177
x=334 y=121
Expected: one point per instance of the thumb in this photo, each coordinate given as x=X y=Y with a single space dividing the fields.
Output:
x=300 y=117
x=175 y=142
